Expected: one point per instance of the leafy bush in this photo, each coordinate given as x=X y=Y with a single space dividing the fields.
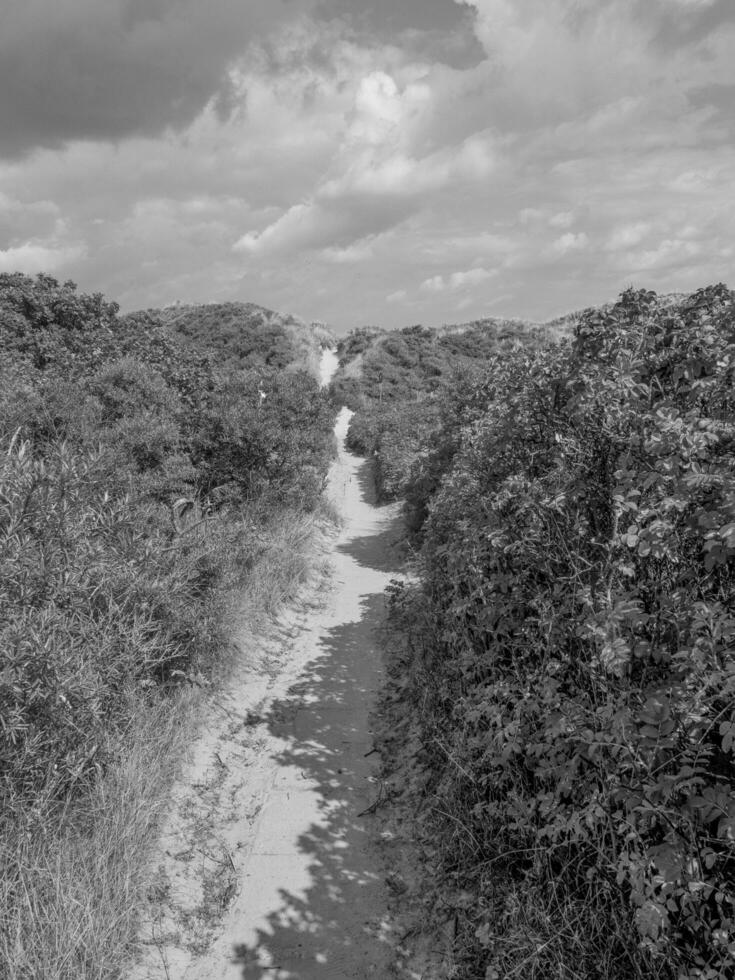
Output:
x=570 y=649
x=396 y=436
x=246 y=336
x=104 y=423
x=109 y=427
x=264 y=434
x=378 y=366
x=398 y=383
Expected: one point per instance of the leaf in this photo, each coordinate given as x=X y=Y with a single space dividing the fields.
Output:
x=615 y=657
x=652 y=920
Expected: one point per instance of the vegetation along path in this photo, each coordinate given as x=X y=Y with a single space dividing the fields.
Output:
x=296 y=881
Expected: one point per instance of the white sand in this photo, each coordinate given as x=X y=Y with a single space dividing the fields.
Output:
x=327 y=366
x=291 y=876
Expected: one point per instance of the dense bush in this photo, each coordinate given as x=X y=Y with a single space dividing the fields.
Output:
x=246 y=336
x=93 y=602
x=104 y=423
x=570 y=650
x=378 y=366
x=264 y=434
x=395 y=436
x=399 y=381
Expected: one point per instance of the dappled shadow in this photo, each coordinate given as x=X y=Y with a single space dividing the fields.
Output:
x=320 y=933
x=378 y=551
x=365 y=476
x=328 y=923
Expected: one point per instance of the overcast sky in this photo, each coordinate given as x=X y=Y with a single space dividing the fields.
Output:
x=369 y=161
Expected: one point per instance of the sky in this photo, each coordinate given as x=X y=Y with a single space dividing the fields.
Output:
x=386 y=162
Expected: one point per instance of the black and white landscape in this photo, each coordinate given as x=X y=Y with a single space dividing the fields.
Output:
x=367 y=490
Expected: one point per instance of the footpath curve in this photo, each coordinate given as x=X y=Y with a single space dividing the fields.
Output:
x=312 y=899
x=290 y=783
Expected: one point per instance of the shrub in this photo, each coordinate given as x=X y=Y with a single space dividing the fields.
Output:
x=106 y=602
x=572 y=646
x=103 y=423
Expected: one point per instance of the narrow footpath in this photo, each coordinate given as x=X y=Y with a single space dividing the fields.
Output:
x=306 y=897
x=312 y=895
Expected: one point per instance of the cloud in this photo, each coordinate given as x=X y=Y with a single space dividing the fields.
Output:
x=435 y=284
x=472 y=277
x=564 y=219
x=693 y=181
x=542 y=216
x=457 y=280
x=691 y=5
x=26 y=219
x=85 y=69
x=669 y=253
x=108 y=69
x=358 y=252
x=348 y=149
x=552 y=61
x=33 y=257
x=375 y=179
x=570 y=243
x=626 y=236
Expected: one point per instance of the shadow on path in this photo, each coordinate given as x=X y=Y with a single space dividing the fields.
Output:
x=330 y=924
x=378 y=550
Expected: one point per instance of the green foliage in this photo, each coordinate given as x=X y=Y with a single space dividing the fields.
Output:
x=92 y=603
x=246 y=336
x=265 y=434
x=398 y=382
x=402 y=365
x=104 y=423
x=571 y=643
x=395 y=435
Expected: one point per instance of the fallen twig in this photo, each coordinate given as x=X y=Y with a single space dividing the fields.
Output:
x=381 y=798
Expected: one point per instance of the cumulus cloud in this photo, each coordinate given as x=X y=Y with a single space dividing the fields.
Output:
x=320 y=155
x=671 y=252
x=358 y=252
x=691 y=5
x=72 y=69
x=561 y=59
x=626 y=236
x=375 y=179
x=457 y=280
x=570 y=242
x=564 y=219
x=85 y=69
x=435 y=284
x=33 y=257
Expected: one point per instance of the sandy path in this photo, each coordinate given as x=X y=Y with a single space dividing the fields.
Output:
x=294 y=888
x=312 y=897
x=328 y=364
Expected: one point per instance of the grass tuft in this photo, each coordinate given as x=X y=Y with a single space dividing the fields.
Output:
x=74 y=874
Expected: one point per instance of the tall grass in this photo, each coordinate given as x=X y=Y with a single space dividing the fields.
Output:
x=73 y=873
x=117 y=603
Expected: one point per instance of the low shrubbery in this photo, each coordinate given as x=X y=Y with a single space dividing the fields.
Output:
x=247 y=336
x=140 y=485
x=378 y=366
x=394 y=435
x=398 y=383
x=568 y=651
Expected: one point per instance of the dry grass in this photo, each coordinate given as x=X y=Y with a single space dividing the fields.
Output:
x=71 y=885
x=72 y=880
